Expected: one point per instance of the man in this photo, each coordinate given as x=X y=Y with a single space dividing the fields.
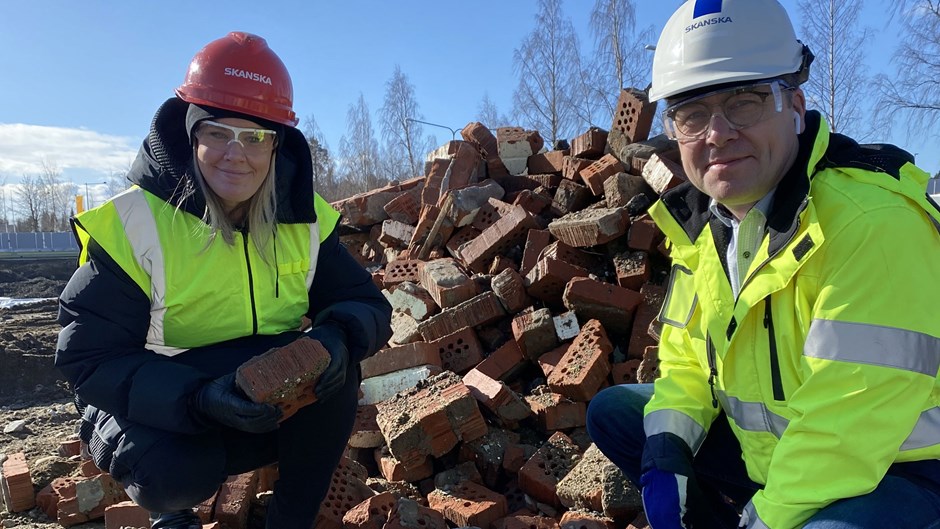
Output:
x=801 y=349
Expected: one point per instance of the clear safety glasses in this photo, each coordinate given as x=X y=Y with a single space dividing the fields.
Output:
x=742 y=107
x=219 y=135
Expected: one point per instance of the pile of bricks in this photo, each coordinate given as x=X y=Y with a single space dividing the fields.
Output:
x=524 y=281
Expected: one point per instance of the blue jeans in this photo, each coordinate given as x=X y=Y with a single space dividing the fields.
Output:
x=615 y=424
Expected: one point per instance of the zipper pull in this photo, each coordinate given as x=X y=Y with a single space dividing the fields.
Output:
x=711 y=385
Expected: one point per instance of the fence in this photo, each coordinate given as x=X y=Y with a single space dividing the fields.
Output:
x=35 y=241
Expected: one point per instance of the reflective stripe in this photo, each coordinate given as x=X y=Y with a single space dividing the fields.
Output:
x=926 y=432
x=873 y=344
x=753 y=416
x=314 y=252
x=141 y=230
x=750 y=519
x=675 y=422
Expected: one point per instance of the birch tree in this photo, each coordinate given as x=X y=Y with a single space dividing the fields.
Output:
x=404 y=142
x=359 y=149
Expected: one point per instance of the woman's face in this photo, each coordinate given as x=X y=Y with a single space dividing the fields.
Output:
x=234 y=163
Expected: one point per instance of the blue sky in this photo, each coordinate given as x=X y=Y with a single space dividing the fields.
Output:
x=81 y=80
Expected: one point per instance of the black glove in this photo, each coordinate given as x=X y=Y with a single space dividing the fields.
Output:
x=333 y=338
x=222 y=402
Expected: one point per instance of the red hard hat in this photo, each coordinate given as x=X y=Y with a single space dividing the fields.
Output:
x=240 y=73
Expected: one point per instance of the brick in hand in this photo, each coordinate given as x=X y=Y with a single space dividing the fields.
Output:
x=285 y=376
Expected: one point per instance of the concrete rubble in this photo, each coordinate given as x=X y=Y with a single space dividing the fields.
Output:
x=524 y=281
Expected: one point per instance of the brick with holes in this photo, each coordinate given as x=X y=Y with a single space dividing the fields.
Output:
x=459 y=351
x=75 y=500
x=585 y=520
x=572 y=166
x=347 y=489
x=371 y=513
x=480 y=310
x=540 y=475
x=446 y=282
x=393 y=470
x=510 y=230
x=503 y=363
x=598 y=172
x=405 y=207
x=625 y=372
x=611 y=304
x=459 y=238
x=403 y=270
x=469 y=505
x=556 y=412
x=366 y=433
x=16 y=484
x=489 y=213
x=633 y=117
x=591 y=144
x=234 y=499
x=409 y=514
x=584 y=368
x=285 y=376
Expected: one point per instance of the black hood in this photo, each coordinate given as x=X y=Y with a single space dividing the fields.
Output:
x=164 y=167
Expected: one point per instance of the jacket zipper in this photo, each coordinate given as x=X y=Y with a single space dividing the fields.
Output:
x=782 y=246
x=251 y=286
x=712 y=369
x=775 y=378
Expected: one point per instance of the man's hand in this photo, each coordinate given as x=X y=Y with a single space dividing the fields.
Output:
x=220 y=401
x=333 y=338
x=664 y=498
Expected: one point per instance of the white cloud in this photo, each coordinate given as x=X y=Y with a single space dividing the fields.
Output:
x=24 y=148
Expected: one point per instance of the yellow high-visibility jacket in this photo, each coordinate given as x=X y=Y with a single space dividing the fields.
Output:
x=827 y=362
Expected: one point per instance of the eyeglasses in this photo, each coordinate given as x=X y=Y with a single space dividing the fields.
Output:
x=219 y=135
x=742 y=107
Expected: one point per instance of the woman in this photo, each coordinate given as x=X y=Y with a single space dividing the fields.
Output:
x=214 y=256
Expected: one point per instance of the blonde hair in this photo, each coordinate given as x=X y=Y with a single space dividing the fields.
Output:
x=261 y=218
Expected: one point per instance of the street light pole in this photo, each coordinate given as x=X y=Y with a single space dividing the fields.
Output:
x=453 y=132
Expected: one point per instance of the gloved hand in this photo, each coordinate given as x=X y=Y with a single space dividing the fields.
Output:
x=664 y=499
x=222 y=402
x=333 y=338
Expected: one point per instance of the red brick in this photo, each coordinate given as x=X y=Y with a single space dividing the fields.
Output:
x=548 y=162
x=393 y=470
x=481 y=460
x=412 y=300
x=639 y=522
x=426 y=222
x=366 y=433
x=16 y=484
x=489 y=213
x=648 y=370
x=459 y=351
x=89 y=469
x=646 y=313
x=534 y=331
x=611 y=304
x=557 y=412
x=526 y=522
x=632 y=269
x=509 y=287
x=585 y=520
x=540 y=475
x=431 y=193
x=622 y=187
x=625 y=372
x=644 y=234
x=500 y=263
x=469 y=505
x=71 y=447
x=663 y=174
x=126 y=514
x=547 y=280
x=561 y=251
x=459 y=238
x=480 y=310
x=536 y=241
x=505 y=233
x=572 y=167
x=234 y=499
x=72 y=501
x=446 y=282
x=430 y=419
x=591 y=144
x=504 y=362
x=409 y=514
x=634 y=115
x=598 y=172
x=549 y=360
x=371 y=513
x=532 y=201
x=465 y=166
x=590 y=227
x=585 y=366
x=285 y=376
x=570 y=197
x=366 y=209
x=484 y=140
x=596 y=484
x=405 y=207
x=497 y=397
x=404 y=270
x=395 y=234
x=400 y=357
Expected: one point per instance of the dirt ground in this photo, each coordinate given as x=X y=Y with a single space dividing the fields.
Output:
x=30 y=386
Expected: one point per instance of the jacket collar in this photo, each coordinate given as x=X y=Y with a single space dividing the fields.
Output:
x=164 y=167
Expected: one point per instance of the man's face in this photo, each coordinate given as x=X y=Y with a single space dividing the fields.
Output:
x=738 y=167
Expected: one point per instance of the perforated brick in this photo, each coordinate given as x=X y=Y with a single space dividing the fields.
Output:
x=585 y=366
x=371 y=513
x=459 y=351
x=634 y=115
x=347 y=490
x=234 y=499
x=469 y=505
x=498 y=238
x=404 y=270
x=591 y=144
x=405 y=207
x=540 y=475
x=598 y=172
x=557 y=412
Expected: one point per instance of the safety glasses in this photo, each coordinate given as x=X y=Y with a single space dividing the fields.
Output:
x=742 y=107
x=219 y=135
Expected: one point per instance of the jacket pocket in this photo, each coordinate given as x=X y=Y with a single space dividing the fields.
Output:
x=681 y=298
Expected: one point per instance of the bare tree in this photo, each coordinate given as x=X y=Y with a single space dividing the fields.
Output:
x=324 y=170
x=117 y=182
x=837 y=80
x=621 y=59
x=28 y=202
x=359 y=149
x=549 y=69
x=914 y=90
x=404 y=142
x=489 y=115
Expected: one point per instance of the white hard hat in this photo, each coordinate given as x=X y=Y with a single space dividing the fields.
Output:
x=713 y=42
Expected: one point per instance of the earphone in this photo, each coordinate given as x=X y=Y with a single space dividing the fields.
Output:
x=796 y=121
